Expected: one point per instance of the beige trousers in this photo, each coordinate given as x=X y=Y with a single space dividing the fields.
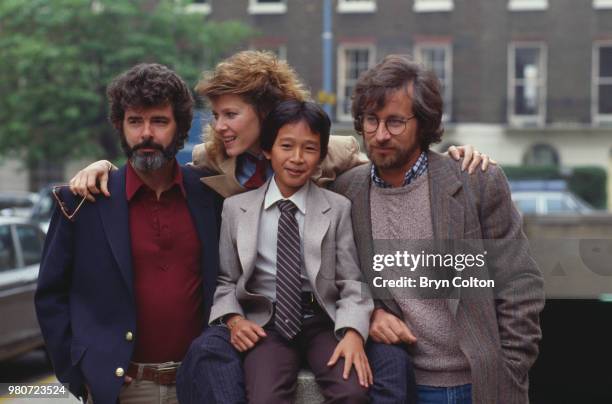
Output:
x=145 y=392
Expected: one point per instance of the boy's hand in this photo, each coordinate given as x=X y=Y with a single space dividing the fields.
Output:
x=244 y=333
x=351 y=349
x=388 y=329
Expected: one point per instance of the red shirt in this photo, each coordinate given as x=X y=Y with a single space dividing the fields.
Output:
x=166 y=266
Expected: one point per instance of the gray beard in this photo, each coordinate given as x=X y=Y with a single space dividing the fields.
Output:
x=148 y=162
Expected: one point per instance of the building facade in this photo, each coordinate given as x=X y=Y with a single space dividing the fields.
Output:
x=526 y=81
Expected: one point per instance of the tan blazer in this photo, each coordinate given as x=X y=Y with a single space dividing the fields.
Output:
x=330 y=260
x=498 y=337
x=342 y=155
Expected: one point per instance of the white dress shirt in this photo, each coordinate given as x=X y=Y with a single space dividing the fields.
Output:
x=263 y=280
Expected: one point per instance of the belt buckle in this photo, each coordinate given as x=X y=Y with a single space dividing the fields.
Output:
x=160 y=373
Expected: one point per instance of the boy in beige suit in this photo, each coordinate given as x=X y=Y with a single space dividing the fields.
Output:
x=290 y=286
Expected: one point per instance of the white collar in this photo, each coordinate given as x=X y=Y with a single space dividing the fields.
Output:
x=274 y=195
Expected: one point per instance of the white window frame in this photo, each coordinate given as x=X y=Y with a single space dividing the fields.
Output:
x=514 y=119
x=527 y=5
x=255 y=7
x=429 y=6
x=602 y=4
x=201 y=8
x=341 y=78
x=596 y=81
x=447 y=96
x=359 y=6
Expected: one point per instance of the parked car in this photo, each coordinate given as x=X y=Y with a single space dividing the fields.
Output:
x=17 y=203
x=43 y=209
x=547 y=197
x=21 y=243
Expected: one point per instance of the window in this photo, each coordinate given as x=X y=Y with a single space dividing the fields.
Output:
x=603 y=4
x=601 y=104
x=7 y=250
x=352 y=61
x=527 y=5
x=438 y=57
x=31 y=244
x=527 y=84
x=356 y=6
x=426 y=6
x=541 y=155
x=267 y=6
x=199 y=6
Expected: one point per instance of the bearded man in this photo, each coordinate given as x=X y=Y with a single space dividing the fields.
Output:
x=126 y=283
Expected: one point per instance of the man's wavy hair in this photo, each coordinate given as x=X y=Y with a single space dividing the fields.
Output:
x=149 y=85
x=259 y=78
x=396 y=72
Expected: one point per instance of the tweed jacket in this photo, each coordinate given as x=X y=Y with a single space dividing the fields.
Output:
x=330 y=260
x=342 y=155
x=499 y=338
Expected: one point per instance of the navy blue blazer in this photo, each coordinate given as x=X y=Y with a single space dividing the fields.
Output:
x=85 y=299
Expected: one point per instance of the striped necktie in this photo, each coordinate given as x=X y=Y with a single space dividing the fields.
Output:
x=288 y=319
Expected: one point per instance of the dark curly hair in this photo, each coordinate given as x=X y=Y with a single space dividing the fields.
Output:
x=294 y=111
x=393 y=73
x=149 y=85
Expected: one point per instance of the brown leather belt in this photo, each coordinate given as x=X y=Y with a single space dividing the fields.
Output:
x=163 y=376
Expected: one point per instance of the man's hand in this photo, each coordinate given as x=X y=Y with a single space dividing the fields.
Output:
x=244 y=333
x=351 y=349
x=388 y=329
x=472 y=157
x=84 y=183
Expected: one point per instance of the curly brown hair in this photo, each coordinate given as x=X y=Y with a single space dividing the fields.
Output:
x=149 y=85
x=395 y=72
x=259 y=78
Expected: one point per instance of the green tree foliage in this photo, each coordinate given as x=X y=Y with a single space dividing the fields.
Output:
x=56 y=58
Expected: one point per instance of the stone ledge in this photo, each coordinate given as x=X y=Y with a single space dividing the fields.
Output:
x=307 y=389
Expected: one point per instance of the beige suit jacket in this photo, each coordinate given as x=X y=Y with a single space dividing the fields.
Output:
x=342 y=155
x=330 y=260
x=499 y=335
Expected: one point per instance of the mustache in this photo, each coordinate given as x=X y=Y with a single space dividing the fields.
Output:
x=148 y=144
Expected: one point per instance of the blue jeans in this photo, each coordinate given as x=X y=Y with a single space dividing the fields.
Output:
x=445 y=395
x=393 y=373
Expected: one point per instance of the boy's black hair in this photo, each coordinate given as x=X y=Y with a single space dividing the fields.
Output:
x=293 y=111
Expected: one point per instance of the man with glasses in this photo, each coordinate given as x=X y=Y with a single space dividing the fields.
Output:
x=467 y=345
x=126 y=283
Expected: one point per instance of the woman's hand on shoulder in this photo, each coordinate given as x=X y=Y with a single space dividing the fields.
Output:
x=472 y=158
x=92 y=180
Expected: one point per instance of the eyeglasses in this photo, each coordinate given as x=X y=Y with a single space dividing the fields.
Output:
x=394 y=126
x=62 y=204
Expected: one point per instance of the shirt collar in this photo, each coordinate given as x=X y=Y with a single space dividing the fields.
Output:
x=133 y=182
x=274 y=195
x=419 y=167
